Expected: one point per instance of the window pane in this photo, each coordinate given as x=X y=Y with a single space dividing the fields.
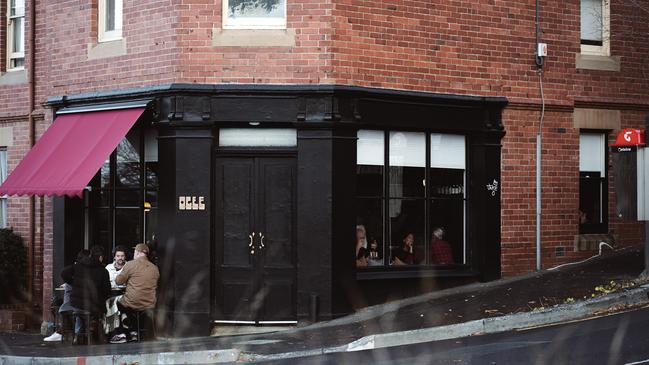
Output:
x=370 y=148
x=18 y=32
x=151 y=175
x=257 y=137
x=128 y=198
x=407 y=164
x=369 y=180
x=447 y=151
x=101 y=228
x=105 y=174
x=447 y=232
x=128 y=231
x=407 y=217
x=110 y=15
x=447 y=182
x=256 y=8
x=592 y=152
x=591 y=22
x=17 y=8
x=590 y=198
x=151 y=226
x=128 y=160
x=369 y=215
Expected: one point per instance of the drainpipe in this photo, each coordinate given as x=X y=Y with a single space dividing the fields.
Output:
x=539 y=65
x=31 y=82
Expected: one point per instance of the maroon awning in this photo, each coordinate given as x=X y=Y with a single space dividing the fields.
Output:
x=70 y=153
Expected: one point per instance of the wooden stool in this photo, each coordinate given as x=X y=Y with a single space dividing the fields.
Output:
x=144 y=320
x=89 y=321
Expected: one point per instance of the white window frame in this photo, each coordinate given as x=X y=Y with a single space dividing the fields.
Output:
x=109 y=35
x=605 y=48
x=11 y=19
x=253 y=23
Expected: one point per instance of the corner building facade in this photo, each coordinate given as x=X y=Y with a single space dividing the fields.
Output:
x=280 y=163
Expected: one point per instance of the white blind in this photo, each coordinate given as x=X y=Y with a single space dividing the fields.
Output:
x=257 y=137
x=447 y=151
x=407 y=149
x=370 y=148
x=592 y=153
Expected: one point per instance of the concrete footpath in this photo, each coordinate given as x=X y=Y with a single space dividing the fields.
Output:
x=598 y=287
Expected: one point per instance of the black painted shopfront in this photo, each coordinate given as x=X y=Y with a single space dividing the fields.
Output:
x=251 y=196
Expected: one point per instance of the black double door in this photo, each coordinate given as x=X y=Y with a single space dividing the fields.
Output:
x=255 y=278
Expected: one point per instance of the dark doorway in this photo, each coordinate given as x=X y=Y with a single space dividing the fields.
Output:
x=254 y=223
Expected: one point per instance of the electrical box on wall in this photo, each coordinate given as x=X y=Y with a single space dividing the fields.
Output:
x=542 y=49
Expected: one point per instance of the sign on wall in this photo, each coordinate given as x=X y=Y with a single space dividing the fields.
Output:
x=191 y=202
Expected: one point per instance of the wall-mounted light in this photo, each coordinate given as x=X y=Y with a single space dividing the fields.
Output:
x=254 y=124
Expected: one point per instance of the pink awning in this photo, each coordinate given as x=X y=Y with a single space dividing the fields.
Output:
x=70 y=153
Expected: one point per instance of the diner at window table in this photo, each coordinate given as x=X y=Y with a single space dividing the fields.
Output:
x=441 y=252
x=406 y=253
x=115 y=267
x=141 y=279
x=90 y=285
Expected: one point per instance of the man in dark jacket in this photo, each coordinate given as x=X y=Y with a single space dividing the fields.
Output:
x=90 y=282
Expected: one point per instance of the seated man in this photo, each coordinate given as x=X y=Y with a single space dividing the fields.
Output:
x=115 y=267
x=141 y=279
x=90 y=283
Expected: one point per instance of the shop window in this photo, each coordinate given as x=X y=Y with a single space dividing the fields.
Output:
x=122 y=199
x=257 y=137
x=254 y=14
x=16 y=35
x=595 y=27
x=3 y=177
x=410 y=202
x=110 y=20
x=593 y=186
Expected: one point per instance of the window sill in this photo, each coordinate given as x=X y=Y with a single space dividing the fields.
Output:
x=597 y=62
x=13 y=77
x=415 y=272
x=253 y=37
x=107 y=49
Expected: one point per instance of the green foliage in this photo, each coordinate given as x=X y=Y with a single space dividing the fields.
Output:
x=13 y=267
x=242 y=5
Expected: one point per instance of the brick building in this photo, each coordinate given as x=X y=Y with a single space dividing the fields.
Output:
x=259 y=134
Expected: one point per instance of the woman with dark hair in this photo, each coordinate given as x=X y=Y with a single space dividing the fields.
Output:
x=90 y=283
x=406 y=254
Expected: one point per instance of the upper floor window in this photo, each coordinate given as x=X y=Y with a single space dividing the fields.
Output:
x=254 y=14
x=16 y=35
x=110 y=20
x=595 y=27
x=593 y=186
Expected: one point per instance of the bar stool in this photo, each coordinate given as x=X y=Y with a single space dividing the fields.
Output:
x=144 y=320
x=89 y=321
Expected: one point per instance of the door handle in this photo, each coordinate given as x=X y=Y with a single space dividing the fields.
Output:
x=261 y=241
x=251 y=244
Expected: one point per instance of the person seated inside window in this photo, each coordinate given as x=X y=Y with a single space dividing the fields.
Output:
x=406 y=254
x=441 y=252
x=361 y=246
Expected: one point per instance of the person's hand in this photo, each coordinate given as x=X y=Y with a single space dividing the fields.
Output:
x=362 y=262
x=398 y=262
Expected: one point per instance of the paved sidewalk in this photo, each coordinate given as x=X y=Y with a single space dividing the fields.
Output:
x=600 y=285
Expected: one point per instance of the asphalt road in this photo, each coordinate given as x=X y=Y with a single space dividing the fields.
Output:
x=615 y=339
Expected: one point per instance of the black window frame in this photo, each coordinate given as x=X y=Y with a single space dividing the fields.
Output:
x=428 y=198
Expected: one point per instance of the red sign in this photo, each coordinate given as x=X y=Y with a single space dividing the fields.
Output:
x=631 y=137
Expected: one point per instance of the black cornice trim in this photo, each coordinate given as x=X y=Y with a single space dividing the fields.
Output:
x=273 y=89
